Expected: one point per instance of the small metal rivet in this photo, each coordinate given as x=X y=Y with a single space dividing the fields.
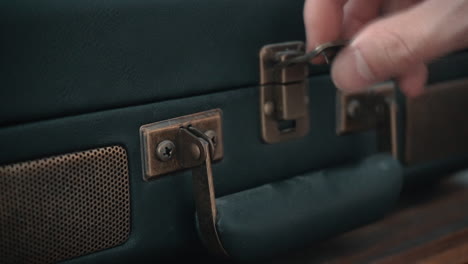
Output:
x=165 y=150
x=354 y=108
x=268 y=108
x=212 y=135
x=195 y=151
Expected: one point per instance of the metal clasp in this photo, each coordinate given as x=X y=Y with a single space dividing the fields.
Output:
x=284 y=96
x=197 y=154
x=327 y=50
x=375 y=108
x=284 y=88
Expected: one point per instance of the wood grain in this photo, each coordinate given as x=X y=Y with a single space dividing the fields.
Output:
x=452 y=248
x=430 y=225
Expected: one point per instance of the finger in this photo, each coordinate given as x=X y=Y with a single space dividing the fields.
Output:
x=397 y=5
x=412 y=83
x=323 y=21
x=392 y=46
x=358 y=13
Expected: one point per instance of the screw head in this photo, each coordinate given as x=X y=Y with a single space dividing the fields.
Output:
x=165 y=150
x=268 y=108
x=212 y=135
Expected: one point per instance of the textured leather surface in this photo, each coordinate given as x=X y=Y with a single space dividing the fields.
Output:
x=83 y=74
x=63 y=58
x=67 y=57
x=162 y=217
x=163 y=210
x=278 y=217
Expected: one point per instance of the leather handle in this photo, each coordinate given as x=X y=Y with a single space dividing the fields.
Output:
x=293 y=213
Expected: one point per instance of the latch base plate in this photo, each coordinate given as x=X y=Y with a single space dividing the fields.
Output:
x=284 y=97
x=372 y=109
x=151 y=135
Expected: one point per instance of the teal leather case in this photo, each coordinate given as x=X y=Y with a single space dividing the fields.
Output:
x=77 y=75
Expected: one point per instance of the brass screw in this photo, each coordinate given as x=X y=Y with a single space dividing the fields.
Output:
x=165 y=150
x=268 y=108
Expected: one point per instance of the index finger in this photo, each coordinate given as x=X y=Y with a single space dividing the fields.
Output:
x=323 y=20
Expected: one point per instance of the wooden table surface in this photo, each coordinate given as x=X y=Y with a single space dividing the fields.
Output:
x=430 y=225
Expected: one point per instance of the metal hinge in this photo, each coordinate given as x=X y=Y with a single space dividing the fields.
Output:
x=162 y=150
x=189 y=142
x=198 y=150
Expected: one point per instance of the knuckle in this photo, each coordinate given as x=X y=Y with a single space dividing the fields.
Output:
x=393 y=54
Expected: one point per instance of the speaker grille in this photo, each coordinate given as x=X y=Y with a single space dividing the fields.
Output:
x=66 y=206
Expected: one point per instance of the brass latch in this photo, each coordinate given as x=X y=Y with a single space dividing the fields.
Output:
x=284 y=88
x=374 y=109
x=284 y=96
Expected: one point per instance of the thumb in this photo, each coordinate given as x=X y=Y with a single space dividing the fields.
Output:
x=399 y=46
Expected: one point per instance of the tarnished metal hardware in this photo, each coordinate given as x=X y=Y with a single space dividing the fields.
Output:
x=372 y=109
x=435 y=126
x=327 y=50
x=165 y=150
x=156 y=135
x=284 y=88
x=197 y=153
x=284 y=98
x=198 y=139
x=436 y=123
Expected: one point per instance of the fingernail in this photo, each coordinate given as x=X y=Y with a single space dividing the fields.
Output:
x=350 y=71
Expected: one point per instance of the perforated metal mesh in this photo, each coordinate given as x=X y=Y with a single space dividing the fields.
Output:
x=65 y=206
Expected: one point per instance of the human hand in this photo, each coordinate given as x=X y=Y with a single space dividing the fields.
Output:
x=390 y=38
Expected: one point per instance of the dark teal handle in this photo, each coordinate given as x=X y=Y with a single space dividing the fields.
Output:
x=294 y=213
